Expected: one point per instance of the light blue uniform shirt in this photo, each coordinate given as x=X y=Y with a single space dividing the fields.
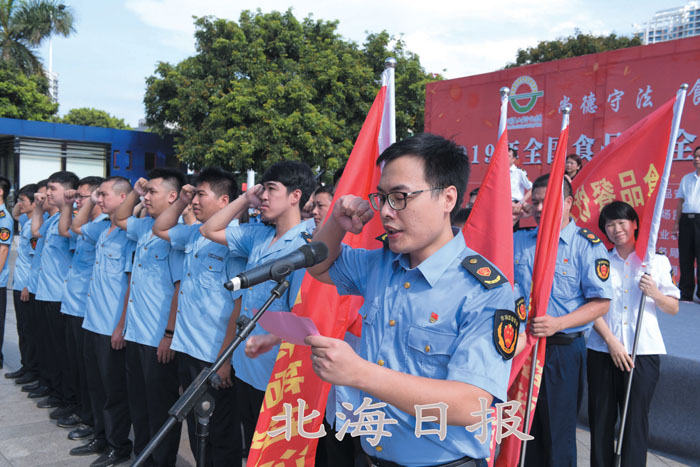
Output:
x=204 y=305
x=156 y=268
x=25 y=253
x=55 y=261
x=252 y=242
x=36 y=259
x=6 y=230
x=105 y=298
x=435 y=321
x=77 y=281
x=575 y=277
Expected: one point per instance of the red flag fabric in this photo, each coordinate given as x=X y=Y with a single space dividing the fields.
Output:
x=293 y=379
x=628 y=169
x=542 y=279
x=489 y=229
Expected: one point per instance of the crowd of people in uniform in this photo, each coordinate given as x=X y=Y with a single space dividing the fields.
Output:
x=120 y=304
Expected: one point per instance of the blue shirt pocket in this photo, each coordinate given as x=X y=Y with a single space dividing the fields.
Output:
x=210 y=276
x=428 y=352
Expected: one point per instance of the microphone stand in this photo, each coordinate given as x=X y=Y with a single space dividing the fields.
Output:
x=197 y=395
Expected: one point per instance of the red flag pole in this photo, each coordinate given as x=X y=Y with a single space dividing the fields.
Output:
x=528 y=410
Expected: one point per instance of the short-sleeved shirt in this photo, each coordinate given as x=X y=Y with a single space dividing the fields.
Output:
x=689 y=191
x=519 y=183
x=6 y=231
x=576 y=274
x=38 y=245
x=436 y=321
x=252 y=242
x=621 y=318
x=55 y=261
x=77 y=281
x=25 y=253
x=204 y=305
x=155 y=270
x=105 y=298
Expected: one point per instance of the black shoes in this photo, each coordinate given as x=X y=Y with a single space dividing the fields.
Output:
x=48 y=403
x=96 y=446
x=27 y=378
x=61 y=412
x=82 y=432
x=69 y=421
x=42 y=391
x=31 y=387
x=15 y=374
x=111 y=457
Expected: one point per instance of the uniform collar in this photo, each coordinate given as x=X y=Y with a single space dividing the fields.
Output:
x=568 y=232
x=100 y=217
x=437 y=263
x=305 y=226
x=633 y=258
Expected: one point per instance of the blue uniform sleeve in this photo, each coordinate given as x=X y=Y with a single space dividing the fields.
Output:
x=475 y=359
x=6 y=227
x=234 y=266
x=22 y=219
x=350 y=270
x=129 y=250
x=176 y=260
x=240 y=239
x=92 y=230
x=592 y=285
x=180 y=235
x=135 y=227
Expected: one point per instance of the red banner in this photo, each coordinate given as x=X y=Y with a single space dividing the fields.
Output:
x=609 y=93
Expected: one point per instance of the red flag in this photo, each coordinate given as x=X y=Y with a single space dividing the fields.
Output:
x=542 y=279
x=628 y=169
x=293 y=377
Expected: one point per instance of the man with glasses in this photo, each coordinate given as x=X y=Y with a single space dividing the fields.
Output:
x=428 y=314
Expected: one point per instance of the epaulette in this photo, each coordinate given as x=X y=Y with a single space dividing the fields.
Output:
x=505 y=333
x=306 y=236
x=483 y=271
x=588 y=235
x=384 y=238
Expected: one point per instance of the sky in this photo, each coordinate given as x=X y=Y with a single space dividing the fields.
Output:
x=118 y=43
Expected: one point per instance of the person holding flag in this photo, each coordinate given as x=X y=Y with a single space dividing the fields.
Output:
x=414 y=353
x=610 y=343
x=580 y=293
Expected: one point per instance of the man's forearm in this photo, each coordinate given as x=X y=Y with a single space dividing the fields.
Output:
x=589 y=311
x=332 y=235
x=168 y=219
x=64 y=220
x=219 y=221
x=37 y=221
x=82 y=217
x=126 y=209
x=4 y=253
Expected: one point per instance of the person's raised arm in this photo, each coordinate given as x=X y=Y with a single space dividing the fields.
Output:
x=350 y=214
x=215 y=227
x=16 y=211
x=66 y=216
x=168 y=218
x=83 y=215
x=126 y=209
x=38 y=216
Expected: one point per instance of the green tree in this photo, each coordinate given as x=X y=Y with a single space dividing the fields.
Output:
x=270 y=87
x=24 y=97
x=25 y=24
x=93 y=117
x=572 y=46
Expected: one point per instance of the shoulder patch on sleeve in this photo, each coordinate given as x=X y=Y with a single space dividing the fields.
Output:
x=590 y=236
x=521 y=309
x=306 y=236
x=505 y=333
x=483 y=271
x=2 y=214
x=4 y=234
x=602 y=269
x=384 y=239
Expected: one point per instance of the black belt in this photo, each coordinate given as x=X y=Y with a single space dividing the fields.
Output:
x=465 y=461
x=562 y=338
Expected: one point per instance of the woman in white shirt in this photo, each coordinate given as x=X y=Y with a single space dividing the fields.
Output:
x=612 y=338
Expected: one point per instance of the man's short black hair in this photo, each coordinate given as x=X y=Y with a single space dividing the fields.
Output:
x=5 y=186
x=696 y=149
x=615 y=211
x=28 y=190
x=221 y=182
x=92 y=182
x=324 y=189
x=515 y=151
x=42 y=184
x=121 y=184
x=294 y=175
x=69 y=180
x=172 y=176
x=445 y=163
x=542 y=180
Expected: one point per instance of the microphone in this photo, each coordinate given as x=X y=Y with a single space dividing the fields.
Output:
x=277 y=269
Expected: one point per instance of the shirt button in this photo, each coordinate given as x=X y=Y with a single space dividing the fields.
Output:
x=209 y=267
x=380 y=362
x=625 y=290
x=564 y=273
x=406 y=285
x=427 y=348
x=97 y=262
x=188 y=273
x=145 y=248
x=625 y=308
x=88 y=294
x=139 y=264
x=196 y=256
x=109 y=255
x=131 y=301
x=379 y=448
x=181 y=292
x=392 y=322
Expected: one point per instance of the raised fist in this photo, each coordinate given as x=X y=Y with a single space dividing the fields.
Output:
x=140 y=186
x=352 y=213
x=70 y=195
x=39 y=199
x=253 y=195
x=187 y=193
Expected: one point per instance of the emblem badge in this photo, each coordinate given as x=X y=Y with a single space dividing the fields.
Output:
x=4 y=234
x=520 y=309
x=485 y=271
x=602 y=269
x=433 y=317
x=505 y=333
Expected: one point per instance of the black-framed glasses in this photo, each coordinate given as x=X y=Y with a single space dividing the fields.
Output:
x=397 y=199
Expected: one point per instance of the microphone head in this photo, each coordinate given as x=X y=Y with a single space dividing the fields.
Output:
x=314 y=253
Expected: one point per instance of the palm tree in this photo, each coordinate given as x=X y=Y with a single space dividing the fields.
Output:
x=24 y=25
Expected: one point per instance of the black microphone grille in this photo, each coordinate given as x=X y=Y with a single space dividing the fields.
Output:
x=314 y=253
